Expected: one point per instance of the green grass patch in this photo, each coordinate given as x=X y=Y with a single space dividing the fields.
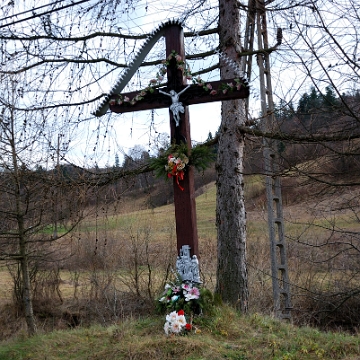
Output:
x=225 y=335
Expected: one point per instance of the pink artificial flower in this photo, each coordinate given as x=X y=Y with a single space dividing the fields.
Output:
x=193 y=293
x=185 y=286
x=153 y=81
x=230 y=85
x=178 y=58
x=238 y=87
x=112 y=102
x=126 y=99
x=213 y=92
x=209 y=86
x=224 y=91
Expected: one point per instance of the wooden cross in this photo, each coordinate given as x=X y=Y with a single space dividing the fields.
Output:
x=185 y=210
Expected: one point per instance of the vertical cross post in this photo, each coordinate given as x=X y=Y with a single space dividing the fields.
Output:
x=184 y=200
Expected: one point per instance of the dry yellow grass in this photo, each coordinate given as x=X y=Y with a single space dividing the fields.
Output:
x=107 y=243
x=5 y=285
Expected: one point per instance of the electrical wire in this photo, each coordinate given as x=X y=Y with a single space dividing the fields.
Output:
x=44 y=13
x=32 y=10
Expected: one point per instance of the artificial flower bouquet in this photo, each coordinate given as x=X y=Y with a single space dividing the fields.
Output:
x=184 y=301
x=176 y=323
x=175 y=167
x=181 y=296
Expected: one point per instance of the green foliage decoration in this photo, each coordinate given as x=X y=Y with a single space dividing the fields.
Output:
x=200 y=157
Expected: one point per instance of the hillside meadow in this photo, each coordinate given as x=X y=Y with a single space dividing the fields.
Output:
x=114 y=265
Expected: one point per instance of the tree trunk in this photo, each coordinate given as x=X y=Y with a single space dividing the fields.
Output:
x=27 y=300
x=23 y=251
x=230 y=209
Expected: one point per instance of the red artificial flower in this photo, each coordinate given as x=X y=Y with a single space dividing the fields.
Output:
x=181 y=312
x=188 y=327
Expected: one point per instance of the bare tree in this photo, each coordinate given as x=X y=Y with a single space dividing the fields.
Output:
x=231 y=282
x=30 y=207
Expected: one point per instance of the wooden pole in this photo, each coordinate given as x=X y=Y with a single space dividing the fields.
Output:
x=185 y=207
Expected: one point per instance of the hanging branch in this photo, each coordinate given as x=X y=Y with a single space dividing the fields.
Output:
x=99 y=34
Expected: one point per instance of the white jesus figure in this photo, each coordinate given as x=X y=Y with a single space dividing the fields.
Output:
x=176 y=107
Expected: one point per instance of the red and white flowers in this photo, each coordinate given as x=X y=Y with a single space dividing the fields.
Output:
x=175 y=167
x=176 y=323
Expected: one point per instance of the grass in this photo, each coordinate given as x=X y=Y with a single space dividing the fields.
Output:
x=225 y=335
x=5 y=285
x=162 y=219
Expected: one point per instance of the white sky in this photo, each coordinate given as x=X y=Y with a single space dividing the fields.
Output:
x=137 y=128
x=117 y=134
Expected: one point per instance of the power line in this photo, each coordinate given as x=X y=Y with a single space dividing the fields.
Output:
x=32 y=10
x=44 y=13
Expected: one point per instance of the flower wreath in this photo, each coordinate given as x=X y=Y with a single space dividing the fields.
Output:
x=174 y=161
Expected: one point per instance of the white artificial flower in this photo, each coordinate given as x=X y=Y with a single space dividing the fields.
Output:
x=171 y=317
x=181 y=319
x=176 y=327
x=167 y=328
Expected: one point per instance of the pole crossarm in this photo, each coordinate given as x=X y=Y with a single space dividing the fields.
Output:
x=195 y=94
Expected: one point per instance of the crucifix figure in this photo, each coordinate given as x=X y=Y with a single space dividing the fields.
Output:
x=184 y=200
x=176 y=107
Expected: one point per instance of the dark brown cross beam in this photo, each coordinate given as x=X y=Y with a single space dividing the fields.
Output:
x=185 y=210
